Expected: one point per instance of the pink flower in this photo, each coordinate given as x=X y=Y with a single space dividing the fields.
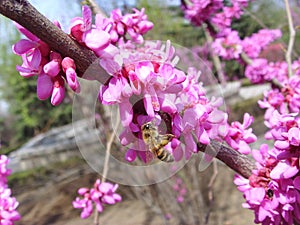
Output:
x=257 y=72
x=69 y=68
x=100 y=195
x=239 y=137
x=134 y=25
x=198 y=11
x=38 y=59
x=149 y=75
x=8 y=204
x=254 y=44
x=270 y=190
x=228 y=46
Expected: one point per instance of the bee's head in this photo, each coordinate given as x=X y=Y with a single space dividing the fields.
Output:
x=148 y=126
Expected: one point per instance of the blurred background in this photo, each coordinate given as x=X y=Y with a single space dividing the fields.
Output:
x=31 y=130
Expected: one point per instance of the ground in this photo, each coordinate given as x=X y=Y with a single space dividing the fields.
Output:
x=51 y=203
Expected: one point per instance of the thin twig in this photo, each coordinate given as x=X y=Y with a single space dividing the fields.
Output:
x=288 y=54
x=108 y=149
x=106 y=162
x=94 y=7
x=210 y=190
x=215 y=58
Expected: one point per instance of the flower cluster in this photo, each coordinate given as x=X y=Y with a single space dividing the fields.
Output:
x=180 y=188
x=273 y=190
x=8 y=204
x=228 y=45
x=216 y=12
x=148 y=87
x=103 y=193
x=284 y=99
x=52 y=70
x=254 y=44
x=134 y=24
x=199 y=11
x=239 y=137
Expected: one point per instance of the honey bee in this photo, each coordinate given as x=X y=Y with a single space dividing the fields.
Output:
x=157 y=142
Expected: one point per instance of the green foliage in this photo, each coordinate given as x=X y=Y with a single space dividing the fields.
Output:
x=30 y=115
x=169 y=24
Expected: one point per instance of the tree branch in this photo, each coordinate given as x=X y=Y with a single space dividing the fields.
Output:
x=236 y=161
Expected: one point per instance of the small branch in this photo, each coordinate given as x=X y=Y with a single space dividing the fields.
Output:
x=236 y=161
x=108 y=149
x=106 y=162
x=246 y=58
x=210 y=190
x=94 y=7
x=215 y=58
x=288 y=55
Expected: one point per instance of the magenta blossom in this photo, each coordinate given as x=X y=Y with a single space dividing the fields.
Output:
x=148 y=87
x=8 y=204
x=133 y=25
x=198 y=11
x=40 y=60
x=101 y=194
x=254 y=44
x=94 y=37
x=228 y=46
x=239 y=137
x=271 y=191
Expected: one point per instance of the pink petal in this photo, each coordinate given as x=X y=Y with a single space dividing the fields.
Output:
x=52 y=68
x=126 y=112
x=117 y=197
x=96 y=39
x=108 y=199
x=87 y=18
x=28 y=34
x=44 y=86
x=26 y=72
x=23 y=46
x=178 y=153
x=244 y=147
x=281 y=144
x=105 y=187
x=148 y=105
x=99 y=207
x=72 y=79
x=283 y=170
x=58 y=95
x=35 y=59
x=216 y=116
x=130 y=155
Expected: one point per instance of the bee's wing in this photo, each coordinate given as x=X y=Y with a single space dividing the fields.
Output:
x=163 y=140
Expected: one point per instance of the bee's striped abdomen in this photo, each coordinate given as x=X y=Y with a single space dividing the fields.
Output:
x=164 y=155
